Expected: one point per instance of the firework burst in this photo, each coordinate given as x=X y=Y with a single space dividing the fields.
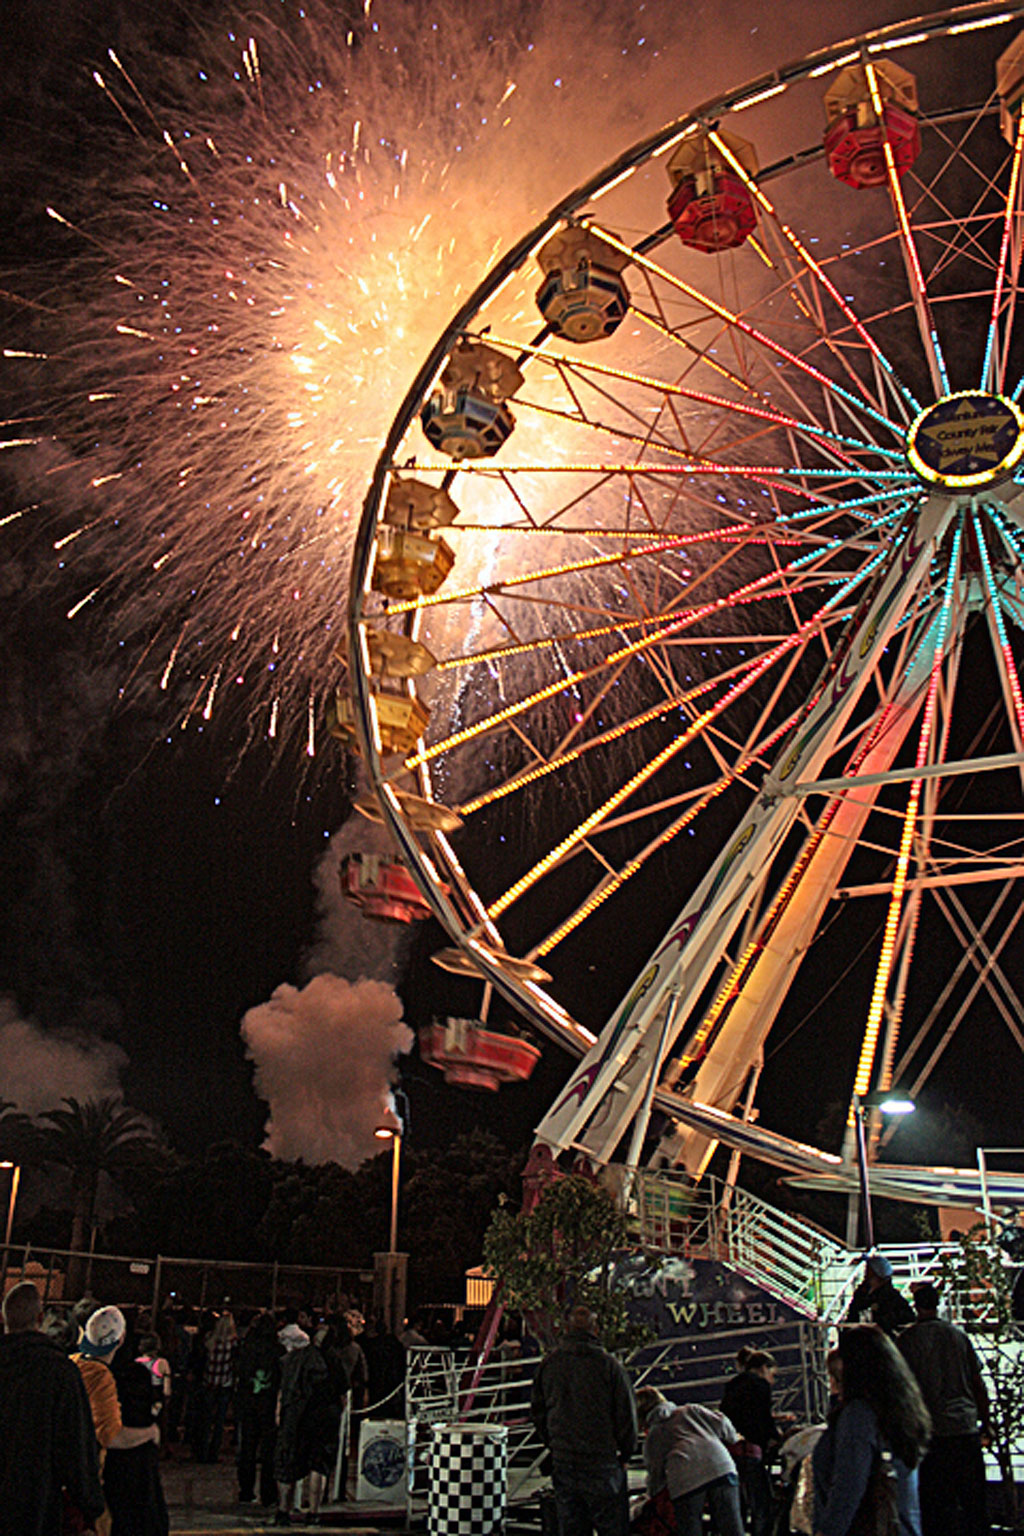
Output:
x=272 y=227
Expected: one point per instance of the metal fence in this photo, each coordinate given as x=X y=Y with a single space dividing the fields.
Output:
x=444 y=1386
x=129 y=1281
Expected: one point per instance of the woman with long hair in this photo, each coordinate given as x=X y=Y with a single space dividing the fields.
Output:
x=878 y=1413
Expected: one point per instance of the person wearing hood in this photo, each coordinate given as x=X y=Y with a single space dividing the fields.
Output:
x=582 y=1405
x=102 y=1338
x=47 y=1446
x=687 y=1450
x=303 y=1377
x=876 y=1299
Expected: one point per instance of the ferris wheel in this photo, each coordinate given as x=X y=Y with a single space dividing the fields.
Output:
x=687 y=602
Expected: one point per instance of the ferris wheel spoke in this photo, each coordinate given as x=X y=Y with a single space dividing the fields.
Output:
x=809 y=265
x=784 y=581
x=752 y=591
x=722 y=407
x=1004 y=299
x=542 y=866
x=915 y=276
x=1006 y=666
x=736 y=323
x=958 y=234
x=943 y=635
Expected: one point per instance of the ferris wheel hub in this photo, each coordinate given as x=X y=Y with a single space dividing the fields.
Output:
x=966 y=440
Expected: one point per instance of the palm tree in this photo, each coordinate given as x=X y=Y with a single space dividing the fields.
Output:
x=16 y=1132
x=92 y=1139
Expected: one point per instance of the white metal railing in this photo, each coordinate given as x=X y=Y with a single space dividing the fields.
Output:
x=444 y=1386
x=911 y=1262
x=807 y=1267
x=784 y=1253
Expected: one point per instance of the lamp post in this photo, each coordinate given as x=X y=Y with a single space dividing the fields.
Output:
x=393 y=1133
x=390 y=1266
x=11 y=1199
x=887 y=1102
x=5 y=1259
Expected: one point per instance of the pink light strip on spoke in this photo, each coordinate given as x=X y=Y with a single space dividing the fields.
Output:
x=862 y=1081
x=718 y=402
x=731 y=318
x=997 y=614
x=749 y=593
x=797 y=638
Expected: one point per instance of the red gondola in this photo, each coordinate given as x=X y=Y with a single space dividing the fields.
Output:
x=473 y=1056
x=382 y=888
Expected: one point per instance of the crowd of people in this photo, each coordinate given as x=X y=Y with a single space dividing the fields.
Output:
x=900 y=1454
x=92 y=1399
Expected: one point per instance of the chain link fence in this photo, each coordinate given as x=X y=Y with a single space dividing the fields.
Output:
x=126 y=1281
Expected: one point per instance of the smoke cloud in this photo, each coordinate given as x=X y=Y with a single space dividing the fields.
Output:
x=324 y=1059
x=325 y=1053
x=39 y=1067
x=347 y=943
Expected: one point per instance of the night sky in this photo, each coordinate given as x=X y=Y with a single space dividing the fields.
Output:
x=156 y=884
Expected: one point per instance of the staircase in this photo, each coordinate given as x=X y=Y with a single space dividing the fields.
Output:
x=795 y=1260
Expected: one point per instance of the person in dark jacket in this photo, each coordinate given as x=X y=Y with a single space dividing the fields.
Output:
x=47 y=1445
x=131 y=1478
x=582 y=1405
x=876 y=1299
x=952 y=1473
x=256 y=1387
x=747 y=1402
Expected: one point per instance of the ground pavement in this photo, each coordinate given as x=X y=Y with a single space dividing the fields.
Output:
x=202 y=1498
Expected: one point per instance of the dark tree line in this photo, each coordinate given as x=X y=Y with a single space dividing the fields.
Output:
x=100 y=1165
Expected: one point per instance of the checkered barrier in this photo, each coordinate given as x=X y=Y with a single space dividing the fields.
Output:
x=468 y=1480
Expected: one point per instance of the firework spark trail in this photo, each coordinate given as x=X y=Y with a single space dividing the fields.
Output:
x=281 y=227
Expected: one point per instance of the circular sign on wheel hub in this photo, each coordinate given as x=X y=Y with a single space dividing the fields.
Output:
x=967 y=439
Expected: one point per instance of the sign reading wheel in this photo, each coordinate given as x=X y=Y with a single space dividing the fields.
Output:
x=967 y=439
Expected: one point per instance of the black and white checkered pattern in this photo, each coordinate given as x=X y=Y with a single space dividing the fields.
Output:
x=468 y=1480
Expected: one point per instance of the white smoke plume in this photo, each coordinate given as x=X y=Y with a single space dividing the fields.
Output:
x=325 y=1053
x=347 y=943
x=324 y=1058
x=39 y=1067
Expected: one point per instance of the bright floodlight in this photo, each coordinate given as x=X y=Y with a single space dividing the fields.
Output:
x=896 y=1104
x=891 y=1101
x=384 y=1132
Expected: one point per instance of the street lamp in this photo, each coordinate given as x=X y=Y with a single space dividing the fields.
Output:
x=393 y=1133
x=888 y=1102
x=12 y=1198
x=393 y=1277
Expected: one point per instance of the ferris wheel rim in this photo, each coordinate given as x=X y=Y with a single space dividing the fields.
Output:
x=541 y=1009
